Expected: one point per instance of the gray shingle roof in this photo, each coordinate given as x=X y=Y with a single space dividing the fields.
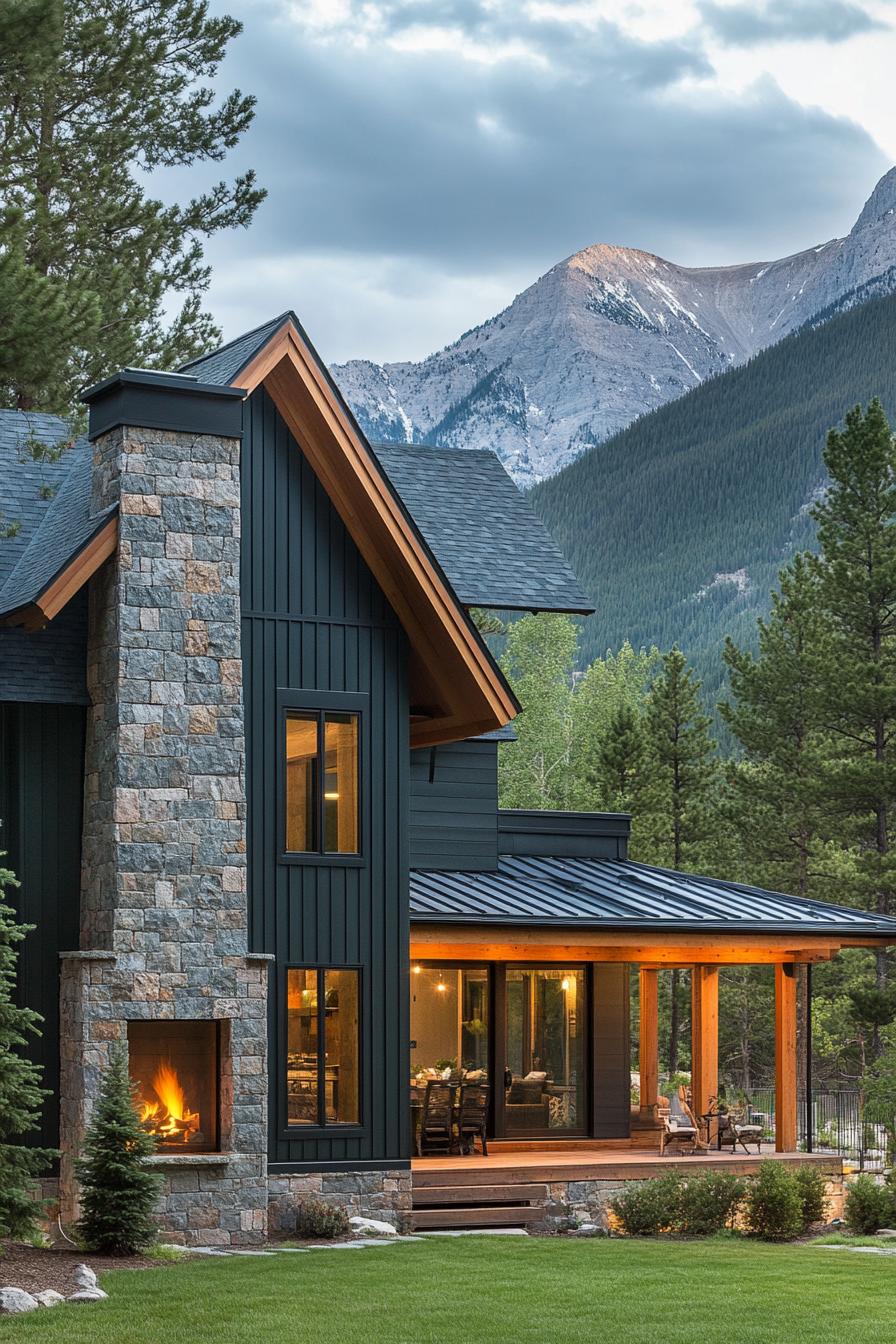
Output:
x=52 y=531
x=620 y=894
x=493 y=548
x=495 y=551
x=49 y=666
x=223 y=364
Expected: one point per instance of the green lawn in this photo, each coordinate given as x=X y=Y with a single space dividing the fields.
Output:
x=476 y=1290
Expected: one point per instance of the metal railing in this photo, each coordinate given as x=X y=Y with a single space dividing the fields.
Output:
x=839 y=1125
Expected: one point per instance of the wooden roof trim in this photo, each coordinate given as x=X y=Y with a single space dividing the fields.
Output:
x=60 y=591
x=478 y=699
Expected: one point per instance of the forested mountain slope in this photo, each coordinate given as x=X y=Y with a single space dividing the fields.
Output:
x=678 y=525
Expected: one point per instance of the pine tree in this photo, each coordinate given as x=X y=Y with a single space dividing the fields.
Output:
x=93 y=95
x=856 y=572
x=118 y=1190
x=619 y=759
x=21 y=1095
x=775 y=804
x=676 y=809
x=539 y=661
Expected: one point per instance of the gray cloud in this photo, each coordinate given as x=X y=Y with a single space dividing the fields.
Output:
x=422 y=173
x=747 y=25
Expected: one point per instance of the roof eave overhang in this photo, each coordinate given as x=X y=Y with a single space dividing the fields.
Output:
x=456 y=686
x=99 y=546
x=853 y=935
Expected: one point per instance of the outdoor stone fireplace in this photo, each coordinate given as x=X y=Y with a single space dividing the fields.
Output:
x=174 y=1067
x=164 y=965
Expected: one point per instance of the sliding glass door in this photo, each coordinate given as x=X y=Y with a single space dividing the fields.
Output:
x=523 y=1028
x=545 y=1076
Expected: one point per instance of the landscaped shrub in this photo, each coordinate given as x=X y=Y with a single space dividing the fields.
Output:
x=316 y=1219
x=812 y=1185
x=646 y=1208
x=707 y=1203
x=118 y=1190
x=868 y=1205
x=774 y=1203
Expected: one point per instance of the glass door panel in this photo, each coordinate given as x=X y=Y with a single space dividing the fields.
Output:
x=545 y=1051
x=449 y=1021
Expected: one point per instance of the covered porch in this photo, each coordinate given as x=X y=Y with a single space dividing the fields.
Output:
x=522 y=976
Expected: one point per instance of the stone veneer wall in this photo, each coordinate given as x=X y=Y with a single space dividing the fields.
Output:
x=164 y=910
x=371 y=1194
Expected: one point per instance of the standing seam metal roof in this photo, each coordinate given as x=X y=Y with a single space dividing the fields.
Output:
x=622 y=894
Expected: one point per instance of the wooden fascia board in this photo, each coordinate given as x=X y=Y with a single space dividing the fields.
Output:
x=85 y=564
x=68 y=581
x=471 y=698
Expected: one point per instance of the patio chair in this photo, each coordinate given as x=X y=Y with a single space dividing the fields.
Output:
x=678 y=1126
x=735 y=1129
x=685 y=1105
x=436 y=1130
x=473 y=1117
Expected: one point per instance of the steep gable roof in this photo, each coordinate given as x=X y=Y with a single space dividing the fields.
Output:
x=50 y=504
x=493 y=547
x=457 y=688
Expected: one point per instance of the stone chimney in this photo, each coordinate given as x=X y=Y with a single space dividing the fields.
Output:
x=164 y=918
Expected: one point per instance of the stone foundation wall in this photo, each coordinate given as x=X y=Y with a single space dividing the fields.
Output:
x=575 y=1202
x=371 y=1194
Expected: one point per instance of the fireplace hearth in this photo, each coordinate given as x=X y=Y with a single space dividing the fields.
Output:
x=175 y=1068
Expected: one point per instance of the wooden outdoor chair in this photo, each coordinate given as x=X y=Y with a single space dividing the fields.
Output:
x=678 y=1126
x=699 y=1142
x=436 y=1130
x=473 y=1117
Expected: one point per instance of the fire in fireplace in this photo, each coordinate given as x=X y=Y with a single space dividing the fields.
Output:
x=174 y=1066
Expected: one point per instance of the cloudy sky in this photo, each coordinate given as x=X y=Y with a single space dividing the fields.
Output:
x=428 y=159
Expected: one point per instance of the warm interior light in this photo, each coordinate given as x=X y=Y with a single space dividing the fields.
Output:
x=332 y=797
x=564 y=985
x=441 y=987
x=417 y=970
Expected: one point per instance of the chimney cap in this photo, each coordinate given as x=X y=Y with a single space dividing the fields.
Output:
x=153 y=399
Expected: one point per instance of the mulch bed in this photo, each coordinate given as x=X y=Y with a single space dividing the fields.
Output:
x=33 y=1268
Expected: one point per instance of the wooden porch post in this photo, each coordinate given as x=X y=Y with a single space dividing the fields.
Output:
x=648 y=1043
x=785 y=1058
x=704 y=1037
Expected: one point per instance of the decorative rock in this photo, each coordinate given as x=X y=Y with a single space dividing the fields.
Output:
x=48 y=1298
x=84 y=1277
x=13 y=1301
x=88 y=1295
x=588 y=1230
x=372 y=1227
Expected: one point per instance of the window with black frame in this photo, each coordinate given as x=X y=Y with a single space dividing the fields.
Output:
x=322 y=814
x=323 y=1047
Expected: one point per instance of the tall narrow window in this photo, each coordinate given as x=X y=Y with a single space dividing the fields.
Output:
x=322 y=782
x=323 y=1047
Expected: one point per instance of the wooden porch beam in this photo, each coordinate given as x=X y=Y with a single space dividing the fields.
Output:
x=704 y=1037
x=648 y=1042
x=456 y=947
x=785 y=1060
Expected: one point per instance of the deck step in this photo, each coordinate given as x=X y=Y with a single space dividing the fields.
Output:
x=491 y=1215
x=479 y=1195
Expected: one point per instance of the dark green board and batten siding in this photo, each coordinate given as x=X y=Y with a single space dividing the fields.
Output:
x=454 y=806
x=314 y=619
x=41 y=772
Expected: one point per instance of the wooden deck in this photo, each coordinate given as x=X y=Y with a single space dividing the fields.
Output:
x=580 y=1163
x=514 y=1188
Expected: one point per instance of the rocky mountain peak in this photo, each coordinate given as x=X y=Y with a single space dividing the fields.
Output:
x=609 y=334
x=881 y=204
